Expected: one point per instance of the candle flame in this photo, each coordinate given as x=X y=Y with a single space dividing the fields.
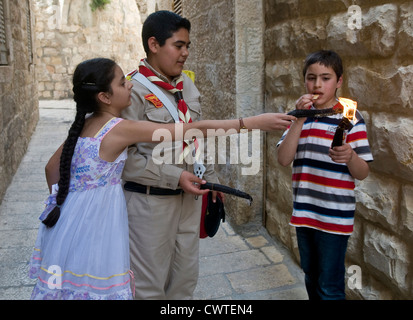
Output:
x=350 y=108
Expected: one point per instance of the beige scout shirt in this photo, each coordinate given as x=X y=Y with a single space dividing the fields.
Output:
x=140 y=167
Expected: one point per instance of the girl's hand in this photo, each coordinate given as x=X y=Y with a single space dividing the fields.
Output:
x=280 y=121
x=269 y=121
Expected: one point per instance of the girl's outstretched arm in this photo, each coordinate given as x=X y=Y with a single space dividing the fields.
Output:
x=129 y=132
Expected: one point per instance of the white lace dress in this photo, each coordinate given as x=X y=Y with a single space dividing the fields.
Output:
x=86 y=254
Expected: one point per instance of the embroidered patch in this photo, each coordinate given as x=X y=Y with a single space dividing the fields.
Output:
x=154 y=99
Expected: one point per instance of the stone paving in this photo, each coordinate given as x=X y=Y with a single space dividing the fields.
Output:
x=253 y=268
x=231 y=266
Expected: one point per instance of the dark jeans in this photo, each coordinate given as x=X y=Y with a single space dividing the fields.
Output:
x=322 y=257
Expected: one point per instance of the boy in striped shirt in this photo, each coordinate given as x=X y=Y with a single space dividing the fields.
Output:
x=323 y=179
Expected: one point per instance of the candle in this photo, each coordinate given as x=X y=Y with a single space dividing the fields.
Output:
x=349 y=116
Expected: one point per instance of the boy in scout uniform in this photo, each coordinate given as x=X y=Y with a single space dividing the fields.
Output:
x=164 y=211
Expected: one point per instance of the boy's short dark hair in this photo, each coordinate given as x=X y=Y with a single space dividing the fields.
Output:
x=161 y=25
x=327 y=58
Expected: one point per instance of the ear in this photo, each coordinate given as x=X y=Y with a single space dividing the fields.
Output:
x=104 y=97
x=153 y=45
x=339 y=82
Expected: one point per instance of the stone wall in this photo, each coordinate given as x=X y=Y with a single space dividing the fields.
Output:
x=19 y=110
x=227 y=57
x=212 y=58
x=146 y=7
x=68 y=32
x=376 y=48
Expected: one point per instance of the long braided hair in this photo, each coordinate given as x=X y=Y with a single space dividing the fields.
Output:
x=90 y=77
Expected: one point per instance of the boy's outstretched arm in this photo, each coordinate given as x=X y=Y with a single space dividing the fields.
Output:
x=288 y=147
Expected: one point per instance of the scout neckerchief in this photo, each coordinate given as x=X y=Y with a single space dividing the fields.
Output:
x=183 y=111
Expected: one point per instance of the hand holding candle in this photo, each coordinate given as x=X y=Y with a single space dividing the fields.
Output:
x=342 y=154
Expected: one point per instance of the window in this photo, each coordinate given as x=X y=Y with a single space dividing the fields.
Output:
x=177 y=7
x=3 y=43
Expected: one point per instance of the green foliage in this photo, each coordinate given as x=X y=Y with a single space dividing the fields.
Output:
x=98 y=4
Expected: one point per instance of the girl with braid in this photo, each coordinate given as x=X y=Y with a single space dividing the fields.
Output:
x=82 y=248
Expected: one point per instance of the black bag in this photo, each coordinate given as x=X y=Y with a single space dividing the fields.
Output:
x=212 y=214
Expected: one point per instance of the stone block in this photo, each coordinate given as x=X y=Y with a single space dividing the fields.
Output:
x=379 y=29
x=217 y=245
x=285 y=76
x=325 y=7
x=279 y=11
x=257 y=241
x=392 y=139
x=388 y=255
x=16 y=293
x=391 y=89
x=377 y=200
x=261 y=278
x=273 y=254
x=249 y=44
x=232 y=262
x=276 y=41
x=247 y=9
x=249 y=79
x=375 y=38
x=405 y=34
x=277 y=224
x=372 y=289
x=286 y=39
x=212 y=287
x=407 y=208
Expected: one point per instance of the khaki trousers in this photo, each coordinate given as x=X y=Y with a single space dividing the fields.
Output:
x=164 y=244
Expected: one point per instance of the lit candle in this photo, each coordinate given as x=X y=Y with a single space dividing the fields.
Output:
x=349 y=116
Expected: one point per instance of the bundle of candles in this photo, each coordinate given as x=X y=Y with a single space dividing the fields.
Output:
x=349 y=116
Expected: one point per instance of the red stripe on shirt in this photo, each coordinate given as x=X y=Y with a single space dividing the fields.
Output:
x=308 y=222
x=341 y=184
x=356 y=136
x=323 y=134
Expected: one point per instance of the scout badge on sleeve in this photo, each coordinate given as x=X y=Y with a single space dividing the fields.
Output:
x=154 y=100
